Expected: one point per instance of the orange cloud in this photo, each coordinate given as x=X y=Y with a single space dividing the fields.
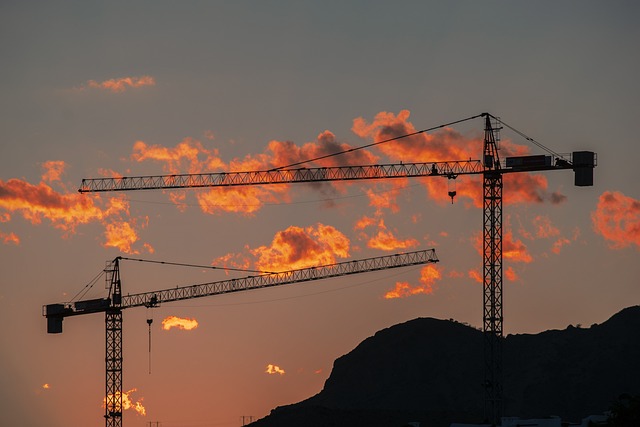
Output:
x=274 y=369
x=544 y=228
x=514 y=249
x=365 y=222
x=617 y=219
x=188 y=156
x=558 y=244
x=66 y=212
x=443 y=145
x=449 y=145
x=53 y=170
x=386 y=199
x=455 y=274
x=386 y=241
x=121 y=235
x=9 y=238
x=46 y=386
x=127 y=402
x=121 y=84
x=246 y=200
x=297 y=247
x=180 y=323
x=511 y=274
x=475 y=275
x=428 y=275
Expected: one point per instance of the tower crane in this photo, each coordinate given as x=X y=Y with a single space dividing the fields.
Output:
x=490 y=167
x=116 y=301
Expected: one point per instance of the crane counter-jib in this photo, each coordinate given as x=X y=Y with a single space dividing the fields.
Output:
x=55 y=313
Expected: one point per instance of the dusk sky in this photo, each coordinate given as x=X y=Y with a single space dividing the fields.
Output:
x=99 y=89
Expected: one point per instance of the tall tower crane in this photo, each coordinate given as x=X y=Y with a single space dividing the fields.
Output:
x=490 y=167
x=116 y=301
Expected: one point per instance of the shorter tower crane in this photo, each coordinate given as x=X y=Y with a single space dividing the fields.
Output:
x=115 y=302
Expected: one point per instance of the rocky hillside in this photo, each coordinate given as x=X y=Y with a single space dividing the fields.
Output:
x=431 y=371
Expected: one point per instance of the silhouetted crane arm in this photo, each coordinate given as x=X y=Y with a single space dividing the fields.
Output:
x=56 y=312
x=449 y=169
x=282 y=176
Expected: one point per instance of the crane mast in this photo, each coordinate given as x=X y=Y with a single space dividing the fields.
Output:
x=492 y=275
x=490 y=167
x=113 y=305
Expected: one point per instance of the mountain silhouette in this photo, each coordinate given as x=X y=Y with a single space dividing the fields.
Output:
x=431 y=371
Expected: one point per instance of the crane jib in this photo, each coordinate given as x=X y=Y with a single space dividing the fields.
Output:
x=283 y=176
x=55 y=313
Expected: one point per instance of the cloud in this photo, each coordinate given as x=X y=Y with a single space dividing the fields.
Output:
x=386 y=241
x=449 y=145
x=9 y=238
x=617 y=219
x=191 y=156
x=512 y=249
x=39 y=202
x=386 y=199
x=510 y=274
x=428 y=276
x=297 y=247
x=188 y=156
x=179 y=322
x=291 y=249
x=127 y=402
x=544 y=228
x=274 y=369
x=558 y=244
x=53 y=170
x=119 y=85
x=365 y=222
x=121 y=235
x=476 y=275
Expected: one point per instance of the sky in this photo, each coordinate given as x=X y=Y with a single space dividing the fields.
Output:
x=95 y=89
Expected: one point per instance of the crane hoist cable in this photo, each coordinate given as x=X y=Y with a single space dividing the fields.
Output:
x=210 y=267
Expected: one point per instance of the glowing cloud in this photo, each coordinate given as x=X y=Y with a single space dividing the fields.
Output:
x=386 y=241
x=511 y=274
x=46 y=386
x=558 y=244
x=428 y=276
x=120 y=235
x=127 y=402
x=180 y=323
x=617 y=219
x=9 y=238
x=188 y=156
x=298 y=247
x=53 y=170
x=274 y=369
x=514 y=250
x=476 y=275
x=446 y=145
x=121 y=84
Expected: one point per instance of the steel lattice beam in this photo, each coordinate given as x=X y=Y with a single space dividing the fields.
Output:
x=492 y=278
x=113 y=354
x=278 y=279
x=282 y=176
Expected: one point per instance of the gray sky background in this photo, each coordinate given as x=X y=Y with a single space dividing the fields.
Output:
x=229 y=78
